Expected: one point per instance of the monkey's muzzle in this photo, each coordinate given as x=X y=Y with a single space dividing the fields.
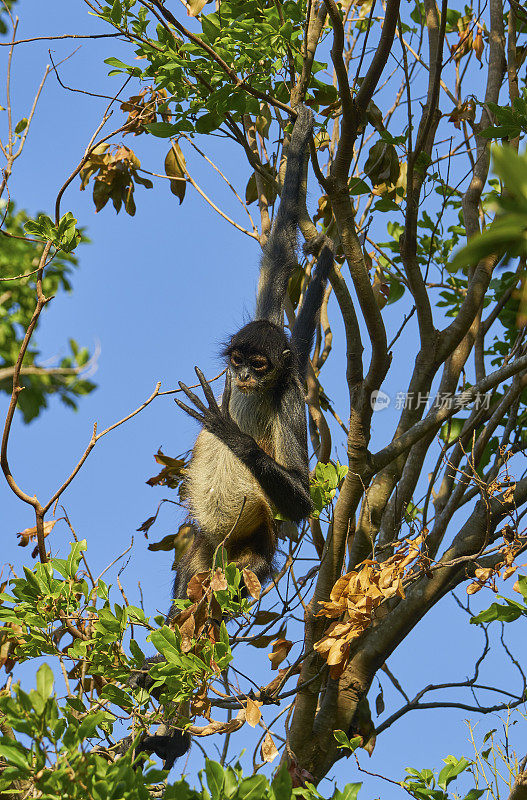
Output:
x=247 y=385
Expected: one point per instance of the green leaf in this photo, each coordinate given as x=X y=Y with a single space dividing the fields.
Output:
x=208 y=122
x=282 y=784
x=252 y=788
x=164 y=130
x=215 y=778
x=117 y=696
x=358 y=186
x=522 y=586
x=14 y=753
x=21 y=126
x=230 y=783
x=349 y=792
x=344 y=742
x=44 y=681
x=451 y=770
x=506 y=613
x=117 y=12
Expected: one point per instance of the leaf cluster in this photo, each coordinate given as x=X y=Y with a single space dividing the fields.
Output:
x=115 y=173
x=423 y=784
x=21 y=256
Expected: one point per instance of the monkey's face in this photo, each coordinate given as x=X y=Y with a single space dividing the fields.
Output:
x=252 y=372
x=259 y=356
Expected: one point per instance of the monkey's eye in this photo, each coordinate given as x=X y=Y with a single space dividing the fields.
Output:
x=236 y=359
x=259 y=364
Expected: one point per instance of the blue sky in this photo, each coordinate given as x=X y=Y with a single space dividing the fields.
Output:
x=158 y=293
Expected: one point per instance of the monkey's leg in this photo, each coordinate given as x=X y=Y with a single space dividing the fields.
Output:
x=171 y=742
x=254 y=552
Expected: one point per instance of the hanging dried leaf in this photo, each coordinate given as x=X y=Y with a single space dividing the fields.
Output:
x=200 y=704
x=172 y=473
x=30 y=534
x=116 y=172
x=196 y=586
x=266 y=617
x=281 y=648
x=254 y=587
x=477 y=44
x=379 y=702
x=253 y=712
x=218 y=582
x=268 y=750
x=508 y=494
x=10 y=636
x=508 y=572
x=464 y=111
x=187 y=630
x=143 y=109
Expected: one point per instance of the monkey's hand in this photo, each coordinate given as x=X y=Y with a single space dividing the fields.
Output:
x=214 y=419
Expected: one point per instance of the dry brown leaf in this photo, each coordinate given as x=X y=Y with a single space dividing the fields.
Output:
x=187 y=632
x=268 y=749
x=197 y=585
x=281 y=648
x=483 y=574
x=477 y=44
x=379 y=703
x=337 y=652
x=357 y=595
x=254 y=587
x=472 y=588
x=508 y=494
x=508 y=572
x=254 y=714
x=30 y=534
x=218 y=582
x=266 y=617
x=200 y=703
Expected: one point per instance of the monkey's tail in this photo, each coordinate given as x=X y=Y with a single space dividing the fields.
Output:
x=304 y=328
x=279 y=255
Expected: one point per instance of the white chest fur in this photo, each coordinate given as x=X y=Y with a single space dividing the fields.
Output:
x=219 y=485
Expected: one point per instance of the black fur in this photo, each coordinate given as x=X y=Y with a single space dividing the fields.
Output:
x=304 y=328
x=279 y=255
x=260 y=336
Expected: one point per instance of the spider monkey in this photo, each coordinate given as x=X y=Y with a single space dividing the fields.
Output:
x=251 y=455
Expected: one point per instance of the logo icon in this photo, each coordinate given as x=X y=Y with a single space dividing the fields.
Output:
x=379 y=400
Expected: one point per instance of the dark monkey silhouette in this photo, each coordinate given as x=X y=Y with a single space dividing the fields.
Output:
x=251 y=455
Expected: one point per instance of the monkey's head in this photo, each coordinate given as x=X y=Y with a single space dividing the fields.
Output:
x=259 y=356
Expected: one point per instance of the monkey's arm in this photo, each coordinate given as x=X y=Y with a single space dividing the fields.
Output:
x=286 y=486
